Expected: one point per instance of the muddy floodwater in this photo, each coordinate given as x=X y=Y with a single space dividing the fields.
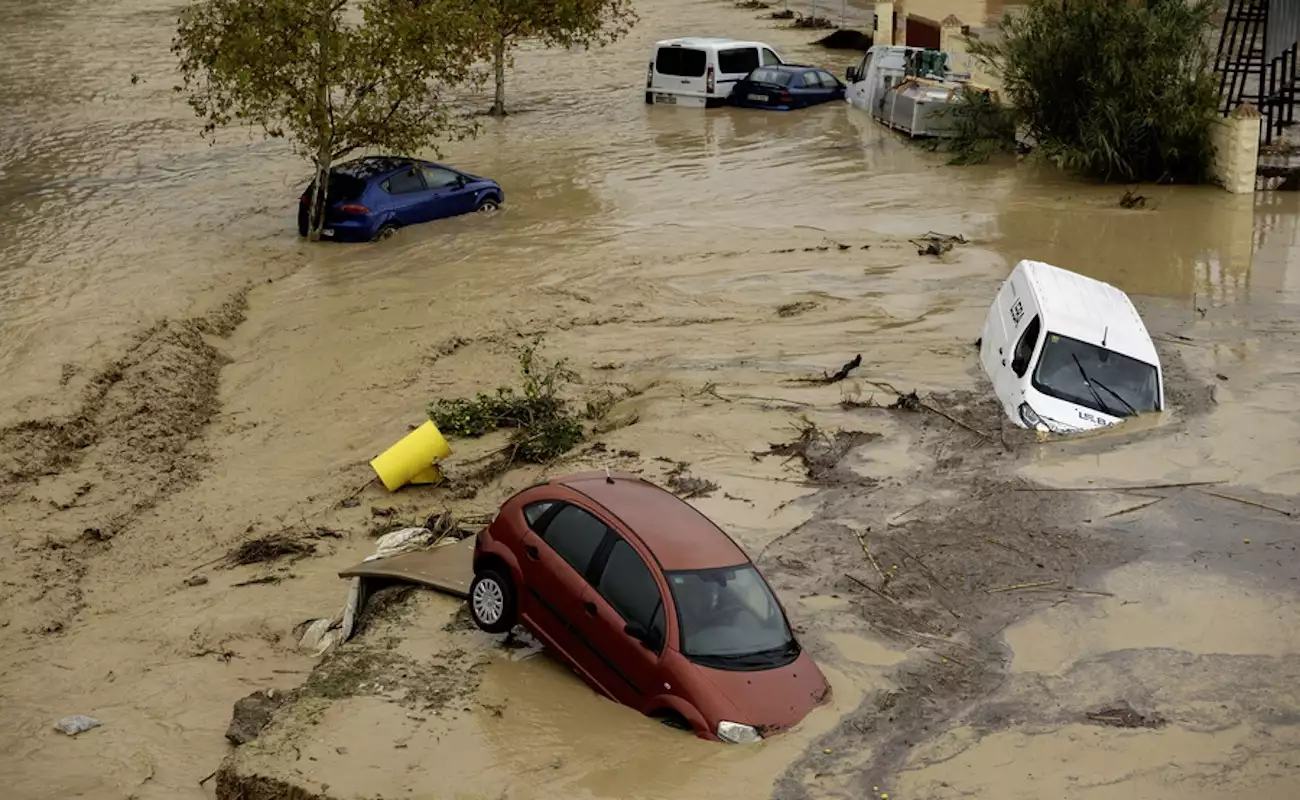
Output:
x=182 y=373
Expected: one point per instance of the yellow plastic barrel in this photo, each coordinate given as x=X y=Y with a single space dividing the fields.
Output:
x=412 y=459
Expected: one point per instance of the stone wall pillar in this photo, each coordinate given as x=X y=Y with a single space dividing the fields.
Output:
x=884 y=33
x=1236 y=149
x=951 y=37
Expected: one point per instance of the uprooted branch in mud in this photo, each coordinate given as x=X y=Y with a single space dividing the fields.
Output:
x=820 y=452
x=269 y=548
x=836 y=376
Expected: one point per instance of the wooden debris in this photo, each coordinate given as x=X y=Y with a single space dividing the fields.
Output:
x=1021 y=586
x=1254 y=503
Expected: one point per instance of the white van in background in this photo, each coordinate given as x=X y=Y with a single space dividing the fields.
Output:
x=700 y=71
x=1067 y=352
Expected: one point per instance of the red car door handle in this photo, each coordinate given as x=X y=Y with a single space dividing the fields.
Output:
x=590 y=607
x=532 y=552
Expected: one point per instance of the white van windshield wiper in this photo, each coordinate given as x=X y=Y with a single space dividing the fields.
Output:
x=1088 y=382
x=1118 y=397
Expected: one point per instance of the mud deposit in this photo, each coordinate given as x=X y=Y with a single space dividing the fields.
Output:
x=192 y=397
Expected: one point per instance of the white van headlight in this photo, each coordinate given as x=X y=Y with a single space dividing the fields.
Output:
x=736 y=733
x=1031 y=418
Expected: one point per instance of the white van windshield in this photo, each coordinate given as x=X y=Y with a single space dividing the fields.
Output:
x=1096 y=378
x=682 y=62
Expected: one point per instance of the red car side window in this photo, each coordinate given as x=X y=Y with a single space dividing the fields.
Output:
x=575 y=535
x=534 y=512
x=629 y=587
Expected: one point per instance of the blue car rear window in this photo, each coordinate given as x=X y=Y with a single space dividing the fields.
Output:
x=342 y=189
x=779 y=77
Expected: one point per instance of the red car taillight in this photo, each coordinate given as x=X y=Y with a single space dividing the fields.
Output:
x=304 y=200
x=650 y=75
x=353 y=208
x=786 y=97
x=710 y=82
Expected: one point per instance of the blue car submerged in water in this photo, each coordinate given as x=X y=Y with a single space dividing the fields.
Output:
x=371 y=198
x=782 y=87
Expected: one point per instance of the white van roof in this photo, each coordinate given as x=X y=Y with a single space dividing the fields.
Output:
x=1085 y=308
x=707 y=42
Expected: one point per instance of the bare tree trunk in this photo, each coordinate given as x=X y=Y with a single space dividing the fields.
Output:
x=324 y=156
x=320 y=198
x=499 y=66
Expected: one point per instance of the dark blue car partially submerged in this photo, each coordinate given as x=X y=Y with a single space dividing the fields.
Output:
x=372 y=197
x=783 y=87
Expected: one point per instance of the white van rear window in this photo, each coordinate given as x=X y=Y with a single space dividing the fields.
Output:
x=738 y=60
x=680 y=61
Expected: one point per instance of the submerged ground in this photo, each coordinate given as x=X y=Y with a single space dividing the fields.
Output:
x=182 y=375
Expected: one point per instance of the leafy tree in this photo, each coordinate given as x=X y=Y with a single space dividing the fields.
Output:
x=329 y=76
x=556 y=23
x=1113 y=89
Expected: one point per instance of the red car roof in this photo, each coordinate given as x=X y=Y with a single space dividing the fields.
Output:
x=679 y=536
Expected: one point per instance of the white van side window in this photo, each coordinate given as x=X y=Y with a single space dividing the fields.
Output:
x=769 y=58
x=738 y=60
x=682 y=62
x=1025 y=347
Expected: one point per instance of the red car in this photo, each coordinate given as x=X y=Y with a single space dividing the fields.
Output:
x=647 y=600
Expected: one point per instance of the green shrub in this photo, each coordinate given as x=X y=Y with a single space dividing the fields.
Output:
x=543 y=427
x=1113 y=89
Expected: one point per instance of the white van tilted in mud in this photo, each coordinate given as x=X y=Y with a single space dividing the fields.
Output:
x=700 y=72
x=1068 y=353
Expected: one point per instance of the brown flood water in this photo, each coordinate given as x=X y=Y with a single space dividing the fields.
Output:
x=643 y=241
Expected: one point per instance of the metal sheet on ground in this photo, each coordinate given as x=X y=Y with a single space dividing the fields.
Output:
x=448 y=569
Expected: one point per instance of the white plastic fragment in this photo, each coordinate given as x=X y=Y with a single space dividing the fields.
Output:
x=76 y=724
x=312 y=636
x=391 y=544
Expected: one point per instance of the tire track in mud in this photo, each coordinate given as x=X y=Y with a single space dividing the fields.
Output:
x=69 y=485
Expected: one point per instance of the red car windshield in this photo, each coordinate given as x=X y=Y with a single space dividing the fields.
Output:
x=730 y=620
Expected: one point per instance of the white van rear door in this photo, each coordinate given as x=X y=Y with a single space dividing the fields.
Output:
x=679 y=70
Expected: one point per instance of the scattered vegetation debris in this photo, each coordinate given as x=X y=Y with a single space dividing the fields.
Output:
x=543 y=427
x=907 y=402
x=812 y=23
x=684 y=485
x=1132 y=200
x=380 y=511
x=936 y=244
x=196 y=580
x=252 y=714
x=845 y=39
x=269 y=548
x=783 y=14
x=1122 y=715
x=349 y=502
x=795 y=308
x=819 y=452
x=752 y=5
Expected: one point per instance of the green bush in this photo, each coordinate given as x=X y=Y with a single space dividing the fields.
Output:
x=543 y=427
x=1113 y=89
